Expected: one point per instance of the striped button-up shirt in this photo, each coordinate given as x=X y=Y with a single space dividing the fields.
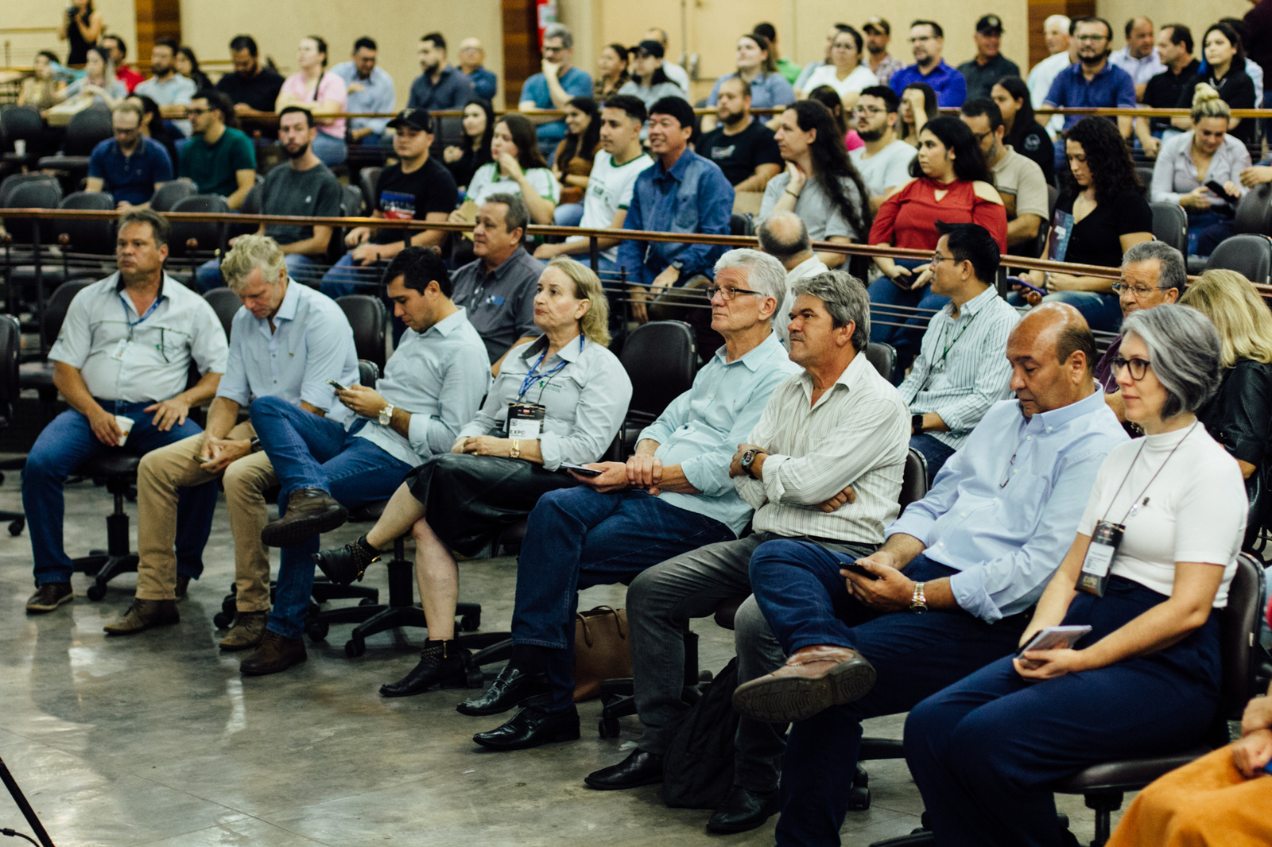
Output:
x=857 y=433
x=962 y=367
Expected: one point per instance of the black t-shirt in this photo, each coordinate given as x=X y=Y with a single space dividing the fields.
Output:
x=1164 y=90
x=1096 y=239
x=1033 y=143
x=1237 y=90
x=411 y=196
x=739 y=155
x=260 y=91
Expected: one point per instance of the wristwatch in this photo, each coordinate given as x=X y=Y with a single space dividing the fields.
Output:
x=256 y=444
x=918 y=602
x=748 y=458
x=386 y=415
x=514 y=452
x=916 y=424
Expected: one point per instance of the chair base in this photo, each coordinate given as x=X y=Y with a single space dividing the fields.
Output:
x=117 y=558
x=618 y=696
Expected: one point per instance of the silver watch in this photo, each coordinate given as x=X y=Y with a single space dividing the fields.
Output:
x=386 y=415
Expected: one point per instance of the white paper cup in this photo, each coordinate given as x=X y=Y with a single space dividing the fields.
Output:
x=19 y=146
x=125 y=426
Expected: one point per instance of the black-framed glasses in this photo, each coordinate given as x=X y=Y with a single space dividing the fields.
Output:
x=728 y=292
x=937 y=258
x=194 y=113
x=868 y=110
x=1137 y=291
x=1138 y=367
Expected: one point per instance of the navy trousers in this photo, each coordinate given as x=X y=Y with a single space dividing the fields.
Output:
x=806 y=602
x=985 y=751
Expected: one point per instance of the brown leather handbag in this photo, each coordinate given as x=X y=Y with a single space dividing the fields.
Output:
x=601 y=650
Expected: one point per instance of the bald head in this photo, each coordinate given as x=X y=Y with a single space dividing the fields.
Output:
x=1052 y=353
x=785 y=237
x=471 y=54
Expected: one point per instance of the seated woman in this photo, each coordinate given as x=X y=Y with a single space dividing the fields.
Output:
x=828 y=97
x=918 y=106
x=1189 y=162
x=1154 y=553
x=951 y=183
x=577 y=150
x=1225 y=72
x=473 y=151
x=845 y=73
x=649 y=83
x=612 y=64
x=820 y=184
x=1239 y=415
x=188 y=66
x=567 y=395
x=97 y=82
x=757 y=67
x=1100 y=213
x=1023 y=132
x=40 y=89
x=323 y=94
x=516 y=167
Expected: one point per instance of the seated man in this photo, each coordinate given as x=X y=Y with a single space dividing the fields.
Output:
x=974 y=554
x=252 y=87
x=370 y=89
x=219 y=158
x=498 y=287
x=287 y=341
x=472 y=58
x=129 y=166
x=837 y=424
x=613 y=180
x=1092 y=81
x=785 y=237
x=556 y=84
x=166 y=87
x=1019 y=180
x=432 y=386
x=884 y=161
x=654 y=267
x=673 y=496
x=416 y=186
x=302 y=186
x=124 y=352
x=955 y=380
x=742 y=147
x=440 y=86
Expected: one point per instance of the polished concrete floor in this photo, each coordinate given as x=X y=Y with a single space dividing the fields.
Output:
x=157 y=740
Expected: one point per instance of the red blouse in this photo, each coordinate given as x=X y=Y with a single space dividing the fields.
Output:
x=908 y=218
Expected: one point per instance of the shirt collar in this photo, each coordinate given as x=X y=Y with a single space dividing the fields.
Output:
x=1076 y=70
x=164 y=279
x=754 y=358
x=805 y=268
x=848 y=379
x=291 y=302
x=503 y=267
x=570 y=352
x=1059 y=417
x=977 y=303
x=677 y=171
x=450 y=323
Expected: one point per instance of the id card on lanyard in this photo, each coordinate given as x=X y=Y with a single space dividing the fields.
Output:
x=122 y=346
x=525 y=420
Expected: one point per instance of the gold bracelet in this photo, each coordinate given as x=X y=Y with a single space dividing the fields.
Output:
x=515 y=452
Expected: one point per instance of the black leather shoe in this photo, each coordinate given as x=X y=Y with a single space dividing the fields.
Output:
x=640 y=768
x=531 y=727
x=510 y=688
x=310 y=511
x=343 y=565
x=743 y=810
x=439 y=661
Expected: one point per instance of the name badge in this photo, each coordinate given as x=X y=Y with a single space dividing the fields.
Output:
x=118 y=353
x=1099 y=557
x=525 y=421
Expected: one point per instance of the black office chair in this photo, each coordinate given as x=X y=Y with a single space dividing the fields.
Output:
x=87 y=244
x=1170 y=225
x=39 y=374
x=1249 y=255
x=12 y=181
x=884 y=358
x=10 y=341
x=190 y=243
x=170 y=193
x=370 y=321
x=661 y=360
x=354 y=200
x=1254 y=212
x=86 y=130
x=1146 y=180
x=226 y=305
x=367 y=178
x=740 y=224
x=21 y=123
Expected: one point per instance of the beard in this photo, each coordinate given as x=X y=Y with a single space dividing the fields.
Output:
x=300 y=151
x=871 y=134
x=735 y=119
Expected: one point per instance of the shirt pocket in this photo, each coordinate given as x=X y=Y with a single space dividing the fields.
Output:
x=1022 y=502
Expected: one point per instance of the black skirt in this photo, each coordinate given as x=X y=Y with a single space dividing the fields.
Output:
x=468 y=500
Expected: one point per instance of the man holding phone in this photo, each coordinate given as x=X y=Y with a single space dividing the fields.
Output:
x=952 y=584
x=286 y=341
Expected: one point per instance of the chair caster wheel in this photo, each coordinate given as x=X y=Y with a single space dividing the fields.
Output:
x=16 y=526
x=317 y=631
x=368 y=601
x=858 y=799
x=96 y=591
x=469 y=623
x=222 y=620
x=608 y=728
x=355 y=647
x=474 y=678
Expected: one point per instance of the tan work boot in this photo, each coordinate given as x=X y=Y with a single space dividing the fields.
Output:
x=812 y=680
x=248 y=629
x=142 y=615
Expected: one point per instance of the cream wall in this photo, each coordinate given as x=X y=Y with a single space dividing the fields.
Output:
x=1196 y=16
x=396 y=26
x=118 y=15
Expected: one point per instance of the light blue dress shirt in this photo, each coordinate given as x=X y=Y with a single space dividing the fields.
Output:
x=1005 y=508
x=768 y=90
x=439 y=376
x=702 y=428
x=311 y=344
x=377 y=95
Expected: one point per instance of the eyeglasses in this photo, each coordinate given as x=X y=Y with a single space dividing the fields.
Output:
x=937 y=258
x=553 y=49
x=729 y=293
x=194 y=113
x=1137 y=291
x=1138 y=367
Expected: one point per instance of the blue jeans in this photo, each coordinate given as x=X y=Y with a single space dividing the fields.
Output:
x=986 y=751
x=299 y=267
x=568 y=214
x=64 y=445
x=1103 y=313
x=798 y=587
x=936 y=452
x=1205 y=231
x=577 y=538
x=329 y=149
x=312 y=452
x=891 y=305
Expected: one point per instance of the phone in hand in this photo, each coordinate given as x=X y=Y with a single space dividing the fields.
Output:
x=1218 y=189
x=580 y=469
x=1054 y=638
x=203 y=460
x=1025 y=283
x=336 y=385
x=859 y=570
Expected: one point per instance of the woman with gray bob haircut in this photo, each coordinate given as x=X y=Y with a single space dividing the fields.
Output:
x=251 y=252
x=1184 y=352
x=765 y=275
x=845 y=299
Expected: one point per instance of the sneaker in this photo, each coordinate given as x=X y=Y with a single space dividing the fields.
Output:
x=49 y=596
x=248 y=630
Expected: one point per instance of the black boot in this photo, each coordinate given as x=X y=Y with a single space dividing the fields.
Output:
x=439 y=661
x=345 y=564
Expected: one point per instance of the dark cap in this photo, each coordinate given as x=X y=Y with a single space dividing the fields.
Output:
x=878 y=24
x=414 y=118
x=651 y=48
x=989 y=23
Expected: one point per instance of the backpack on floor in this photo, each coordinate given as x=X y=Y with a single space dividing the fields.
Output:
x=698 y=770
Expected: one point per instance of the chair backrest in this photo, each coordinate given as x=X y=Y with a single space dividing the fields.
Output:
x=170 y=192
x=87 y=129
x=226 y=305
x=661 y=361
x=913 y=478
x=450 y=131
x=740 y=224
x=207 y=236
x=1254 y=212
x=12 y=181
x=252 y=200
x=89 y=235
x=367 y=178
x=56 y=307
x=1238 y=634
x=368 y=373
x=20 y=122
x=1146 y=180
x=1249 y=255
x=354 y=202
x=369 y=319
x=32 y=194
x=884 y=358
x=10 y=347
x=1170 y=225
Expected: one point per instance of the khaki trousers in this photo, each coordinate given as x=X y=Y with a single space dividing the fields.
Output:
x=246 y=480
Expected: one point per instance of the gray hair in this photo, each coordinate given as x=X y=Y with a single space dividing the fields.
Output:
x=1185 y=351
x=251 y=252
x=846 y=300
x=783 y=235
x=1174 y=272
x=764 y=273
x=560 y=31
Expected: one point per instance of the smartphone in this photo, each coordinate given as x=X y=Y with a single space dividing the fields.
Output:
x=1218 y=189
x=1021 y=281
x=205 y=459
x=336 y=385
x=1054 y=638
x=580 y=469
x=859 y=570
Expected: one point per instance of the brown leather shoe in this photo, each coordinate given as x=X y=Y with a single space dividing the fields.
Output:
x=142 y=615
x=248 y=630
x=274 y=655
x=812 y=680
x=49 y=596
x=310 y=511
x=183 y=586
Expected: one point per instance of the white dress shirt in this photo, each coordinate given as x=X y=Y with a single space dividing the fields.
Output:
x=782 y=319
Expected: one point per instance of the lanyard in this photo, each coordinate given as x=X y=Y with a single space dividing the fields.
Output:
x=132 y=325
x=1135 y=504
x=534 y=372
x=948 y=347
